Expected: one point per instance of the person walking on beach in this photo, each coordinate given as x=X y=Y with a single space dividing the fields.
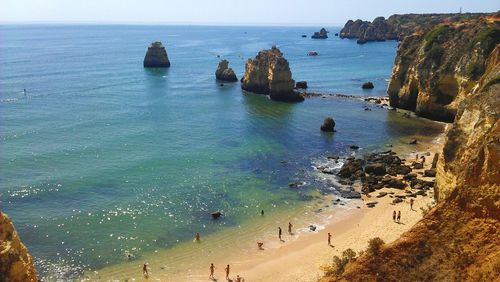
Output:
x=329 y=239
x=411 y=203
x=197 y=237
x=394 y=216
x=212 y=269
x=279 y=233
x=399 y=216
x=145 y=270
x=227 y=272
x=290 y=228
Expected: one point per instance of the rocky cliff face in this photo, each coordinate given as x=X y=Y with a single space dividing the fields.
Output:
x=458 y=240
x=224 y=72
x=398 y=27
x=436 y=70
x=16 y=264
x=156 y=56
x=269 y=74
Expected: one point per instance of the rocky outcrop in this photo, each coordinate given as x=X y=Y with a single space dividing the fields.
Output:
x=397 y=27
x=322 y=34
x=269 y=74
x=224 y=72
x=16 y=263
x=457 y=240
x=436 y=70
x=156 y=56
x=328 y=125
x=367 y=85
x=301 y=85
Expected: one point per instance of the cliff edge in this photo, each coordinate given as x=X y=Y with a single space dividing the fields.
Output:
x=16 y=264
x=458 y=239
x=434 y=71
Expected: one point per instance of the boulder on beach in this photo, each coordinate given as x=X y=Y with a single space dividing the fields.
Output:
x=376 y=168
x=322 y=34
x=269 y=74
x=156 y=56
x=224 y=72
x=368 y=85
x=328 y=125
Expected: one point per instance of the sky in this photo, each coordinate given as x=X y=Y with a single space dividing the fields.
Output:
x=225 y=12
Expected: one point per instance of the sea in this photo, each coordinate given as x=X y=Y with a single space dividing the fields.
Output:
x=101 y=158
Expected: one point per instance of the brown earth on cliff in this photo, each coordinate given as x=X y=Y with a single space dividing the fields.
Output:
x=269 y=74
x=435 y=71
x=459 y=239
x=16 y=264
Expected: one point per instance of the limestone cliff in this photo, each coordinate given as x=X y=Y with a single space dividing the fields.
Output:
x=224 y=72
x=156 y=56
x=269 y=74
x=436 y=70
x=459 y=239
x=16 y=264
x=397 y=27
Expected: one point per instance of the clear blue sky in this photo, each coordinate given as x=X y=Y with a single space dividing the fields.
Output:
x=230 y=12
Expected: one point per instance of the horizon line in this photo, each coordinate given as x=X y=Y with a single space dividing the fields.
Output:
x=250 y=24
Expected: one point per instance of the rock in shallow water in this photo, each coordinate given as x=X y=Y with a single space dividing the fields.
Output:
x=328 y=125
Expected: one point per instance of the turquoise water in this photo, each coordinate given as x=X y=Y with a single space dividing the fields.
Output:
x=102 y=156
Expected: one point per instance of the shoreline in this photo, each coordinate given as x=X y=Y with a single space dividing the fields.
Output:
x=299 y=258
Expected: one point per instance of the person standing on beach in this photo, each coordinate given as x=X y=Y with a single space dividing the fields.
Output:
x=290 y=228
x=329 y=239
x=262 y=212
x=411 y=203
x=145 y=270
x=227 y=272
x=394 y=216
x=197 y=237
x=279 y=233
x=212 y=269
x=399 y=216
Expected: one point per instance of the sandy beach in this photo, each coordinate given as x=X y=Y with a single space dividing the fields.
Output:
x=298 y=258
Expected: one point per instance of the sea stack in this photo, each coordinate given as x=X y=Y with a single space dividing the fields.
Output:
x=322 y=34
x=269 y=74
x=224 y=72
x=156 y=56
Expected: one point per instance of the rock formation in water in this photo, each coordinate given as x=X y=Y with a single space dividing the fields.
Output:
x=224 y=72
x=301 y=85
x=458 y=239
x=397 y=27
x=367 y=85
x=322 y=34
x=16 y=263
x=436 y=70
x=269 y=74
x=328 y=125
x=156 y=56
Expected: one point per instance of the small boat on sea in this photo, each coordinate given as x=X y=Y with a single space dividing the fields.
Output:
x=312 y=53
